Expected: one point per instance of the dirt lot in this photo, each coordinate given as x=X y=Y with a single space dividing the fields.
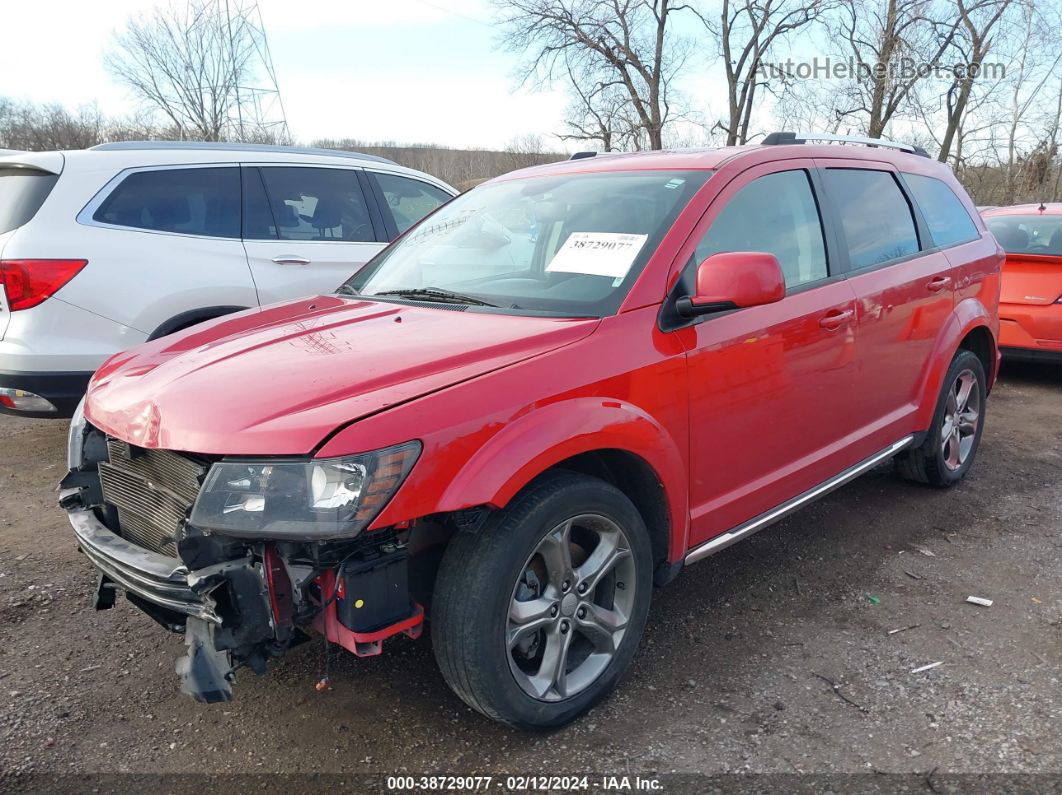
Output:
x=772 y=657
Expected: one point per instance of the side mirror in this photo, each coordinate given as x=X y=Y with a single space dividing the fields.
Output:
x=734 y=280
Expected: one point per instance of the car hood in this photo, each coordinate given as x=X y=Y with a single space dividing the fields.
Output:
x=278 y=380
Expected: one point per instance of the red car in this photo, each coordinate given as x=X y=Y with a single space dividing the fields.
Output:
x=1030 y=306
x=556 y=391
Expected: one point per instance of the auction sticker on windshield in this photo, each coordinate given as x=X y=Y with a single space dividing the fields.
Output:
x=597 y=254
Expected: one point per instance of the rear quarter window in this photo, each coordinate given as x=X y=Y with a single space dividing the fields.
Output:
x=947 y=219
x=187 y=201
x=22 y=192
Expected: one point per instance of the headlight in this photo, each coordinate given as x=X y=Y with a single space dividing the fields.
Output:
x=301 y=500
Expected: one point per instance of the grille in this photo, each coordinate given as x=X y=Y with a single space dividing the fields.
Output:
x=153 y=491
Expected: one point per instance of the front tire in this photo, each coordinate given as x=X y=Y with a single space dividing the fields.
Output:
x=949 y=448
x=538 y=614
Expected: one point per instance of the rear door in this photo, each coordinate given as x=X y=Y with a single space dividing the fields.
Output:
x=904 y=294
x=307 y=229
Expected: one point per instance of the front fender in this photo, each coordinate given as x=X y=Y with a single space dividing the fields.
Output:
x=966 y=316
x=547 y=435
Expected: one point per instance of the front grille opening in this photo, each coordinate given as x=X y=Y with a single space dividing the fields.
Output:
x=152 y=491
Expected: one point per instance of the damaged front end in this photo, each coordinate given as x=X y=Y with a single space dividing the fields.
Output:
x=245 y=558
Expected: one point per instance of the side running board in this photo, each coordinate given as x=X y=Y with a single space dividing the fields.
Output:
x=770 y=517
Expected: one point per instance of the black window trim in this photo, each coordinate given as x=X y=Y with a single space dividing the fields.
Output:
x=905 y=186
x=85 y=216
x=921 y=232
x=368 y=196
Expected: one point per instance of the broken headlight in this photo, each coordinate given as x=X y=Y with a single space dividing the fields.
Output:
x=301 y=500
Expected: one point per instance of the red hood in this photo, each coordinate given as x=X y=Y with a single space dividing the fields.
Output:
x=276 y=381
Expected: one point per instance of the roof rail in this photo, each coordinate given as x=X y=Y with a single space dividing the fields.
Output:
x=222 y=146
x=783 y=138
x=582 y=155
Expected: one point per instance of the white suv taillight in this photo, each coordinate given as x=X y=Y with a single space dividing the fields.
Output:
x=28 y=282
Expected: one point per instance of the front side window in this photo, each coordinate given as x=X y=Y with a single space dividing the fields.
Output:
x=777 y=214
x=187 y=201
x=1028 y=234
x=947 y=219
x=875 y=216
x=315 y=204
x=409 y=200
x=570 y=244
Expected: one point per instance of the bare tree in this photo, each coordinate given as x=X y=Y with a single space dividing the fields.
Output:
x=607 y=48
x=747 y=32
x=972 y=44
x=891 y=42
x=187 y=62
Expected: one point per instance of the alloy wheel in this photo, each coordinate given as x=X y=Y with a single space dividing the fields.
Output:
x=570 y=607
x=962 y=413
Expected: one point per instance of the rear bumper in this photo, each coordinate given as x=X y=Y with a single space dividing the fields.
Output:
x=1038 y=355
x=1031 y=331
x=62 y=390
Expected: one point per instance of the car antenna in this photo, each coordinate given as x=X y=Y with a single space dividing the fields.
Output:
x=1042 y=207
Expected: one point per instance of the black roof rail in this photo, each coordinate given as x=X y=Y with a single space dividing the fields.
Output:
x=785 y=138
x=582 y=155
x=223 y=146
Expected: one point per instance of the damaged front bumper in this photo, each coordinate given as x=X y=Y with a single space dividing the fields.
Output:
x=160 y=580
x=240 y=604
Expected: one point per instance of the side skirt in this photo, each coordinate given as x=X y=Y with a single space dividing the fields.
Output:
x=768 y=518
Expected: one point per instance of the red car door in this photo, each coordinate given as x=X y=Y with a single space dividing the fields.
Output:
x=904 y=295
x=770 y=386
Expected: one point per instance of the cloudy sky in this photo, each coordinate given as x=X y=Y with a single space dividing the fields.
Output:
x=405 y=70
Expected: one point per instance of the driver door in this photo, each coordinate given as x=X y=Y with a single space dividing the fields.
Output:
x=306 y=229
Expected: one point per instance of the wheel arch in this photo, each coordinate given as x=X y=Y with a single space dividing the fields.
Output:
x=191 y=317
x=610 y=439
x=969 y=326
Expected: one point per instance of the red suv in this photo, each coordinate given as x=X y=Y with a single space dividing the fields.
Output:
x=549 y=395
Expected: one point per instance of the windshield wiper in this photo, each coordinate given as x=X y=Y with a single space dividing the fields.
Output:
x=435 y=294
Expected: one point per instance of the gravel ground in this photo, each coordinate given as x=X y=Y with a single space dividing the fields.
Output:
x=772 y=657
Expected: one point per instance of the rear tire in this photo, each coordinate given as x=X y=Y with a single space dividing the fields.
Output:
x=537 y=614
x=948 y=452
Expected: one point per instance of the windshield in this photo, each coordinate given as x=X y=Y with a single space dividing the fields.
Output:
x=22 y=192
x=569 y=244
x=1028 y=234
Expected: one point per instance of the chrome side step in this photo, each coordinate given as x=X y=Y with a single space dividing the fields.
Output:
x=724 y=540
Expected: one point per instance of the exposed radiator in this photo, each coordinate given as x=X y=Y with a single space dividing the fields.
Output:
x=153 y=491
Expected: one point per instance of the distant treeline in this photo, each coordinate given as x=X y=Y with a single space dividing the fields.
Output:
x=462 y=168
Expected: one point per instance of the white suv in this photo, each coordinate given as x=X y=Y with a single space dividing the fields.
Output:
x=104 y=248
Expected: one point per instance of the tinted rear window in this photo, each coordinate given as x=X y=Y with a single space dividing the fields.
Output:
x=876 y=219
x=948 y=221
x=188 y=201
x=22 y=192
x=1028 y=234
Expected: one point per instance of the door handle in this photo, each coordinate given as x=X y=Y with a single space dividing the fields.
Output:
x=836 y=318
x=290 y=259
x=938 y=283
